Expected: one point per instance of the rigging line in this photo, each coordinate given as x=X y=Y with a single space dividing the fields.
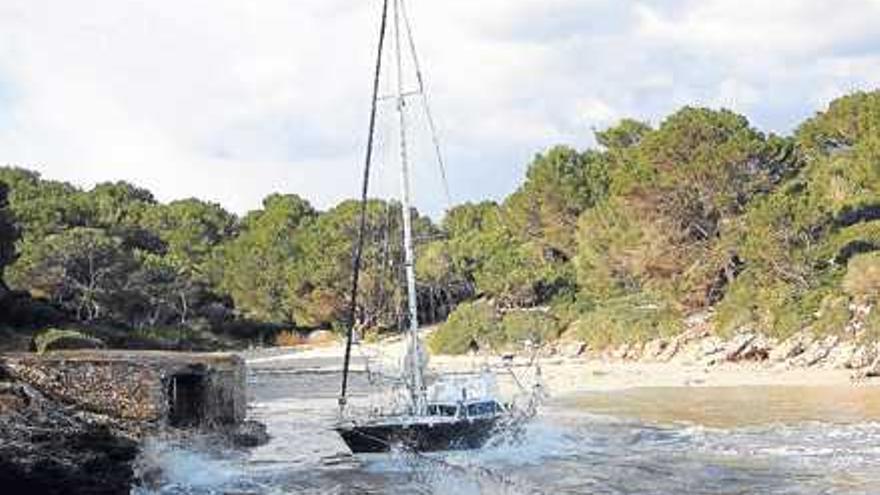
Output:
x=382 y=299
x=425 y=103
x=359 y=250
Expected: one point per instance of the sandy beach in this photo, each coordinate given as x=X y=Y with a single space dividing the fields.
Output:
x=565 y=376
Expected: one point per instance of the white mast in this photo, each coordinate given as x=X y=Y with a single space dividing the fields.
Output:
x=416 y=381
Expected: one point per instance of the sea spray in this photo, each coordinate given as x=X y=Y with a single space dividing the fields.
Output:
x=192 y=465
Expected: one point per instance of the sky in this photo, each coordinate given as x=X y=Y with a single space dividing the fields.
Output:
x=231 y=100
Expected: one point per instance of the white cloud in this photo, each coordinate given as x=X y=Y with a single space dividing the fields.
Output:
x=231 y=100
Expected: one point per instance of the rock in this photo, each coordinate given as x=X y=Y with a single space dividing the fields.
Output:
x=841 y=356
x=47 y=448
x=699 y=321
x=670 y=350
x=862 y=357
x=249 y=434
x=549 y=350
x=872 y=371
x=817 y=351
x=860 y=313
x=12 y=398
x=625 y=351
x=71 y=422
x=756 y=350
x=654 y=348
x=734 y=349
x=711 y=345
x=574 y=349
x=792 y=347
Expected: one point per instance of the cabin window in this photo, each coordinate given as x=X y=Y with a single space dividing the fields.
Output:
x=482 y=408
x=186 y=398
x=442 y=410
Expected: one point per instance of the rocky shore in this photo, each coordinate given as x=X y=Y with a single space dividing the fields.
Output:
x=696 y=357
x=700 y=347
x=74 y=423
x=51 y=448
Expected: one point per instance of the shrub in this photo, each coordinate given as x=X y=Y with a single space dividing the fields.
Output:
x=537 y=326
x=633 y=319
x=862 y=279
x=476 y=321
x=833 y=315
x=777 y=308
x=871 y=333
x=55 y=339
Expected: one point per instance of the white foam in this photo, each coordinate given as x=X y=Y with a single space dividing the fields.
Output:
x=171 y=468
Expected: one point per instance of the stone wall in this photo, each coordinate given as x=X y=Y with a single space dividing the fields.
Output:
x=140 y=386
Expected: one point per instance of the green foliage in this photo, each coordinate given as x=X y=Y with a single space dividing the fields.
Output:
x=191 y=231
x=616 y=251
x=81 y=269
x=119 y=204
x=470 y=322
x=833 y=315
x=256 y=264
x=479 y=322
x=539 y=327
x=703 y=211
x=862 y=279
x=626 y=134
x=797 y=241
x=160 y=290
x=56 y=339
x=487 y=251
x=852 y=121
x=628 y=319
x=9 y=234
x=560 y=184
x=764 y=302
x=44 y=207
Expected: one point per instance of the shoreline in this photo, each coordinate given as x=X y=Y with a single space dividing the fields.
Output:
x=569 y=376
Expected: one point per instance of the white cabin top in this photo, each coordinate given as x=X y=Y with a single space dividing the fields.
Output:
x=463 y=388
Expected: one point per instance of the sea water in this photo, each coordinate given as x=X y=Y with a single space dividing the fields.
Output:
x=772 y=440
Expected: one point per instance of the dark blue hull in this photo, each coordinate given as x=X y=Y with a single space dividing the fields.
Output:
x=462 y=434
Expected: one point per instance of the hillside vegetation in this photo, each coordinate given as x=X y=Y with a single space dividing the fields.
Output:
x=702 y=214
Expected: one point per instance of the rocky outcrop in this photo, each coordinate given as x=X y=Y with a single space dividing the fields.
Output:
x=817 y=351
x=734 y=349
x=52 y=449
x=654 y=349
x=841 y=356
x=862 y=357
x=791 y=347
x=248 y=434
x=625 y=351
x=573 y=349
x=72 y=422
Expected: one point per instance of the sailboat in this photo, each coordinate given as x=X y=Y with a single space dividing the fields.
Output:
x=454 y=411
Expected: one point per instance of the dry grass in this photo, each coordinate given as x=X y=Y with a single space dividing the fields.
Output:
x=290 y=338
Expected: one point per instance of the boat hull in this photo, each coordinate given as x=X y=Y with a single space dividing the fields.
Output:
x=463 y=434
